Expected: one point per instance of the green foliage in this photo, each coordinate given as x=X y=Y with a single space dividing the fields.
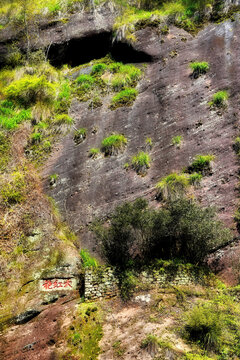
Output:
x=11 y=118
x=141 y=162
x=98 y=69
x=219 y=99
x=201 y=164
x=172 y=186
x=36 y=137
x=150 y=340
x=199 y=68
x=177 y=140
x=94 y=152
x=85 y=333
x=181 y=229
x=237 y=145
x=190 y=356
x=195 y=178
x=124 y=76
x=4 y=151
x=114 y=143
x=85 y=80
x=31 y=89
x=87 y=259
x=53 y=179
x=124 y=98
x=62 y=119
x=95 y=103
x=14 y=192
x=149 y=142
x=80 y=135
x=205 y=324
x=128 y=283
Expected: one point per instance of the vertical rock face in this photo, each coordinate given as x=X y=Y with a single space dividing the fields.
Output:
x=170 y=103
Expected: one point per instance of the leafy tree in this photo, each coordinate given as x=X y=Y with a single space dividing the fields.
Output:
x=138 y=234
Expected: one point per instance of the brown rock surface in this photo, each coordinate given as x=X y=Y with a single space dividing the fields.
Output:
x=170 y=103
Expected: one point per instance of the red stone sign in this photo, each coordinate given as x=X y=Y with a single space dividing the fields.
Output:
x=58 y=284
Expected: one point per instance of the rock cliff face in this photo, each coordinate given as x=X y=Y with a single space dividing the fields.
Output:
x=170 y=103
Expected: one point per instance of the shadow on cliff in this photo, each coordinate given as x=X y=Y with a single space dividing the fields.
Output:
x=82 y=50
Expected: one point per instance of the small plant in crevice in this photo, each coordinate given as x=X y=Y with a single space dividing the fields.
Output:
x=177 y=140
x=80 y=135
x=113 y=144
x=124 y=98
x=141 y=163
x=201 y=164
x=53 y=179
x=94 y=152
x=149 y=143
x=118 y=349
x=199 y=68
x=219 y=100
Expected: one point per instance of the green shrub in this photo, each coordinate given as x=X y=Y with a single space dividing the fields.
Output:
x=31 y=89
x=180 y=229
x=80 y=135
x=87 y=259
x=141 y=162
x=62 y=119
x=114 y=143
x=98 y=69
x=201 y=164
x=177 y=140
x=128 y=283
x=219 y=99
x=14 y=192
x=204 y=325
x=199 y=68
x=94 y=152
x=124 y=98
x=172 y=186
x=4 y=150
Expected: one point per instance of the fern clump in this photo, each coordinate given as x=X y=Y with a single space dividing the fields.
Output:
x=114 y=143
x=219 y=99
x=124 y=98
x=201 y=164
x=199 y=68
x=141 y=162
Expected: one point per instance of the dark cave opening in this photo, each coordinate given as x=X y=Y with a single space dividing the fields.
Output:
x=76 y=52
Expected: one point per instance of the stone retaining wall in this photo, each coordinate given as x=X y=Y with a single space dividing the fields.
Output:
x=102 y=283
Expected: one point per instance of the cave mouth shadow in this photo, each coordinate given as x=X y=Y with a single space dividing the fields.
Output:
x=77 y=52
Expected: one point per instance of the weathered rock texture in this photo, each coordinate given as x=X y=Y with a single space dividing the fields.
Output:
x=170 y=103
